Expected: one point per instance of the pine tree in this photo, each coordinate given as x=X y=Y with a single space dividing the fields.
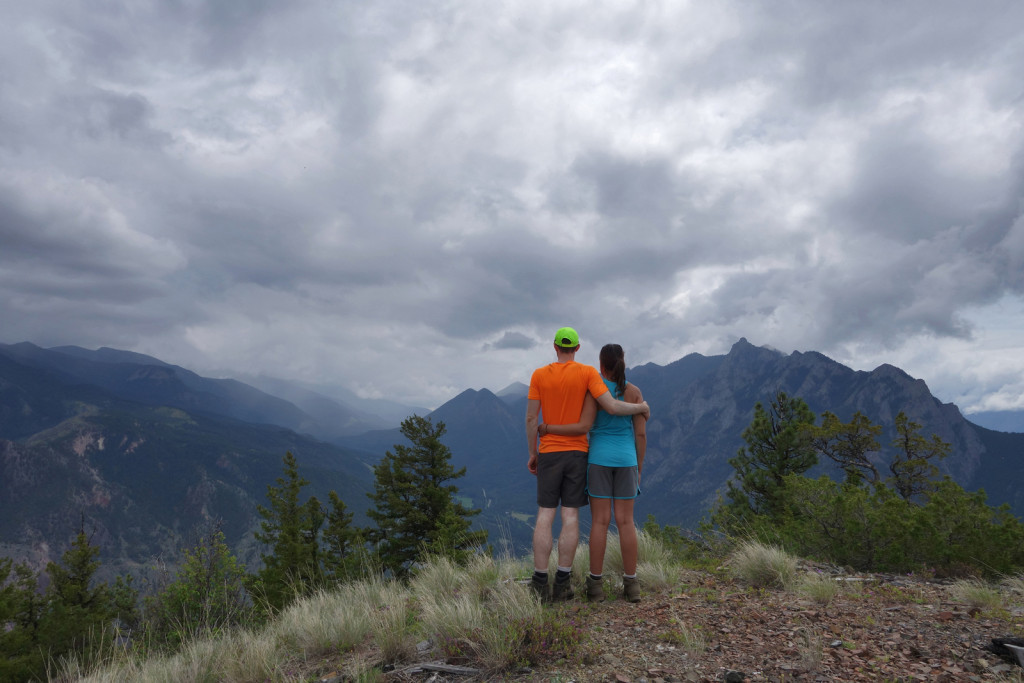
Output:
x=77 y=609
x=207 y=593
x=290 y=529
x=414 y=506
x=913 y=472
x=341 y=542
x=779 y=443
x=21 y=608
x=848 y=444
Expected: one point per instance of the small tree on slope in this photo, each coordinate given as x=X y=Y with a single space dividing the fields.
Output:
x=778 y=444
x=414 y=506
x=290 y=529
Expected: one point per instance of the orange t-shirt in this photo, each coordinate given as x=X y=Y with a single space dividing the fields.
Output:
x=561 y=389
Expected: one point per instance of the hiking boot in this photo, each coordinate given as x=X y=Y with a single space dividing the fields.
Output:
x=562 y=590
x=631 y=589
x=541 y=589
x=595 y=589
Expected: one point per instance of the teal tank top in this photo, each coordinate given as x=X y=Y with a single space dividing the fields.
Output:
x=611 y=438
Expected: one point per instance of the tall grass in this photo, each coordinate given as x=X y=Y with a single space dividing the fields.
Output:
x=763 y=566
x=975 y=593
x=482 y=613
x=656 y=567
x=1014 y=585
x=479 y=611
x=251 y=656
x=324 y=622
x=391 y=624
x=819 y=588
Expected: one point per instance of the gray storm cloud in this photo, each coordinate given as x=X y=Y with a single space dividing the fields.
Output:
x=405 y=197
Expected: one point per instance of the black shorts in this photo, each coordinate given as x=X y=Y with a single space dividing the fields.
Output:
x=562 y=477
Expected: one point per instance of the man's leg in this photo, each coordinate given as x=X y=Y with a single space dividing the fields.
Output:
x=567 y=540
x=542 y=540
x=569 y=537
x=574 y=496
x=542 y=552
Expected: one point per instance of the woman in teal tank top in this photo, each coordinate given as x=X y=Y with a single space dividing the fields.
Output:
x=617 y=446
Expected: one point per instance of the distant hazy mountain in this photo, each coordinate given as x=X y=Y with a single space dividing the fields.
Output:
x=999 y=420
x=390 y=412
x=138 y=378
x=514 y=391
x=330 y=418
x=94 y=436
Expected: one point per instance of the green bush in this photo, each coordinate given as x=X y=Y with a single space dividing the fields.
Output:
x=207 y=595
x=953 y=532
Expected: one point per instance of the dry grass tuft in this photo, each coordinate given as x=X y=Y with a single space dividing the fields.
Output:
x=811 y=645
x=819 y=588
x=763 y=566
x=975 y=593
x=322 y=623
x=1014 y=585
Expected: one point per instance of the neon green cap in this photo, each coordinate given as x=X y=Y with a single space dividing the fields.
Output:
x=567 y=338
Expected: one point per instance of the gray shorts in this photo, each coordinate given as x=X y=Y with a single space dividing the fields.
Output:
x=562 y=476
x=620 y=483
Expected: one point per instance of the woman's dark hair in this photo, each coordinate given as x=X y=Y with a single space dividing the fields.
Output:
x=613 y=362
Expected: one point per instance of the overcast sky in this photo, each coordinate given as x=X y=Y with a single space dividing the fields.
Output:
x=408 y=198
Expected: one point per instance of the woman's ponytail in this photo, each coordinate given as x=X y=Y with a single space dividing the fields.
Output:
x=613 y=362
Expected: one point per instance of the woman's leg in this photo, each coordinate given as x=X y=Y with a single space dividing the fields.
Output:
x=627 y=535
x=601 y=515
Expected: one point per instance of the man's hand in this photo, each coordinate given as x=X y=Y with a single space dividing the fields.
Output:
x=531 y=464
x=647 y=411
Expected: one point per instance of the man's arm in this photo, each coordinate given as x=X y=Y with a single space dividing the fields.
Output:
x=532 y=411
x=576 y=428
x=617 y=407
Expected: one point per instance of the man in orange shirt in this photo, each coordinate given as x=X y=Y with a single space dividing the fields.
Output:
x=560 y=464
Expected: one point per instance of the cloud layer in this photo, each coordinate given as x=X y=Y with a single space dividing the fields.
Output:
x=408 y=198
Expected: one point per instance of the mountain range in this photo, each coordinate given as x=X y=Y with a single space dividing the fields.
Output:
x=148 y=451
x=700 y=406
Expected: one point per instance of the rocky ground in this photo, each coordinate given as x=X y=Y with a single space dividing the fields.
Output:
x=709 y=628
